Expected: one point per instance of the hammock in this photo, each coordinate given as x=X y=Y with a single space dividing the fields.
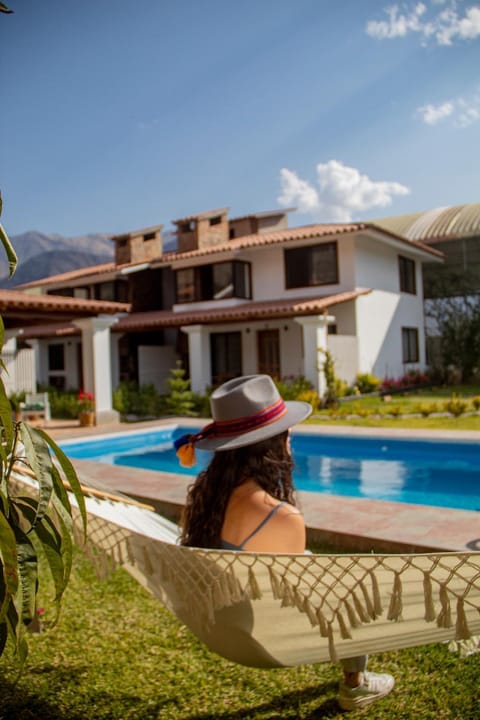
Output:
x=274 y=610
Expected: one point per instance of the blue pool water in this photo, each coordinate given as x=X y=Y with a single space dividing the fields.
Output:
x=445 y=474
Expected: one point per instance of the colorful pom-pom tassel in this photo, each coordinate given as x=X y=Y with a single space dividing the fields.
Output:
x=185 y=451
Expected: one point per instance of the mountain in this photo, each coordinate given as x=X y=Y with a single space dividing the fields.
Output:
x=42 y=255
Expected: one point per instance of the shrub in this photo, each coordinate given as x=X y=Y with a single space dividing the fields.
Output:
x=361 y=410
x=180 y=400
x=394 y=410
x=455 y=406
x=426 y=409
x=310 y=396
x=367 y=382
x=476 y=402
x=143 y=401
x=413 y=378
x=290 y=387
x=63 y=404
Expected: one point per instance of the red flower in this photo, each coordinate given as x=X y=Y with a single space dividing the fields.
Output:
x=86 y=401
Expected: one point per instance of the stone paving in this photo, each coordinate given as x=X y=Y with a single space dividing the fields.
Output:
x=345 y=523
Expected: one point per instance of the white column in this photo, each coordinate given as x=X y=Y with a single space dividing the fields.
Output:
x=9 y=357
x=315 y=340
x=34 y=343
x=114 y=340
x=97 y=364
x=199 y=357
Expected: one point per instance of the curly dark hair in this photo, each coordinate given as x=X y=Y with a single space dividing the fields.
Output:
x=268 y=462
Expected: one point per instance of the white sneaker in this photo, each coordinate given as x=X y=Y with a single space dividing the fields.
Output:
x=374 y=687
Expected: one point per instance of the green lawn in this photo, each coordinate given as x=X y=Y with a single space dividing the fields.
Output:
x=117 y=654
x=404 y=410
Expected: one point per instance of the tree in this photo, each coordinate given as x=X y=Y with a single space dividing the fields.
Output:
x=36 y=520
x=180 y=400
x=453 y=328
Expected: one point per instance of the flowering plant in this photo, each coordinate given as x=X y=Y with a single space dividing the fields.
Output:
x=86 y=402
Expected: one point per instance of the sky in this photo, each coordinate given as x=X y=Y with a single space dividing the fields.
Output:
x=117 y=115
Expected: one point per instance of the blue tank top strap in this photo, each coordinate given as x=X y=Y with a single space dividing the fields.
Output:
x=229 y=546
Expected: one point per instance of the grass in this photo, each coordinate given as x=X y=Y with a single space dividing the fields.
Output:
x=403 y=410
x=116 y=654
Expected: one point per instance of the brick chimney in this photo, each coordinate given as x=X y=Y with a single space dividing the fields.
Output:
x=203 y=230
x=139 y=245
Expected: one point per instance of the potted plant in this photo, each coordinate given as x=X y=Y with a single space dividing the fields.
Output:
x=86 y=408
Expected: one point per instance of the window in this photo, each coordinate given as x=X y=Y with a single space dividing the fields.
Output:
x=112 y=291
x=64 y=292
x=216 y=220
x=310 y=266
x=82 y=293
x=105 y=291
x=185 y=280
x=226 y=356
x=406 y=269
x=213 y=282
x=149 y=236
x=410 y=345
x=56 y=357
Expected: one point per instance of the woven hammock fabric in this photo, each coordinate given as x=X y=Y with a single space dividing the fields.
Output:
x=274 y=610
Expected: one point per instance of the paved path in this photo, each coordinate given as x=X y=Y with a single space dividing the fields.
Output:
x=343 y=522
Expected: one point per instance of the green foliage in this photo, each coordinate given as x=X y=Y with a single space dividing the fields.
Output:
x=476 y=402
x=16 y=399
x=456 y=406
x=456 y=320
x=367 y=382
x=394 y=410
x=361 y=410
x=35 y=519
x=4 y=240
x=63 y=403
x=143 y=401
x=180 y=400
x=292 y=386
x=117 y=654
x=425 y=409
x=331 y=380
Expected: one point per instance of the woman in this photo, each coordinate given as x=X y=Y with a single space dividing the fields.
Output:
x=244 y=500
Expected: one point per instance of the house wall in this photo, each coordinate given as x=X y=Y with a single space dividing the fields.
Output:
x=344 y=351
x=268 y=272
x=381 y=314
x=154 y=365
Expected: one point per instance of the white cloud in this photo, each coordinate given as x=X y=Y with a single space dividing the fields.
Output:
x=432 y=114
x=397 y=25
x=462 y=111
x=444 y=24
x=342 y=192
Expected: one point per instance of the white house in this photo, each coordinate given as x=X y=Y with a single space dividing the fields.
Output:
x=241 y=296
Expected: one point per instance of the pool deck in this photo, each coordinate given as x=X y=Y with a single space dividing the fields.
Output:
x=345 y=523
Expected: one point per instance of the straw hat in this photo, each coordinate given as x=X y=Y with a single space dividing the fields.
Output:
x=246 y=410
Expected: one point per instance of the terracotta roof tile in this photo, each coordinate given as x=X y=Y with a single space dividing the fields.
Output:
x=11 y=300
x=246 y=311
x=305 y=232
x=50 y=330
x=72 y=275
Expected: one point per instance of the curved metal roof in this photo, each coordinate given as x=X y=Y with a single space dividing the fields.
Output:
x=443 y=222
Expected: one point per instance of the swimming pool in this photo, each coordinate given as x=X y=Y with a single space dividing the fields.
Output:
x=420 y=472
